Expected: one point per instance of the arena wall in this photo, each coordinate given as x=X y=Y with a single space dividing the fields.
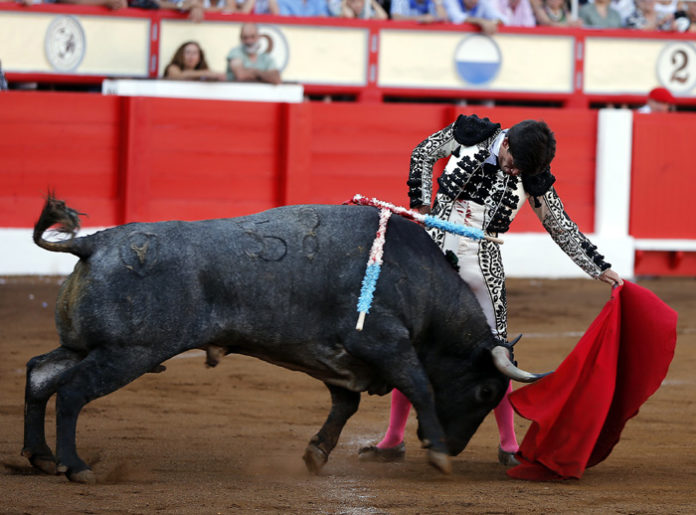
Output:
x=122 y=159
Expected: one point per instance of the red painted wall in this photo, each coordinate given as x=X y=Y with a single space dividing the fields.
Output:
x=663 y=179
x=123 y=159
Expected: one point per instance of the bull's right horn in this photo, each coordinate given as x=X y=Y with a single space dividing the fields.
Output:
x=501 y=359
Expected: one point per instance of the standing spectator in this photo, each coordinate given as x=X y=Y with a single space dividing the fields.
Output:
x=362 y=9
x=660 y=100
x=479 y=12
x=246 y=64
x=600 y=15
x=645 y=17
x=554 y=13
x=260 y=7
x=303 y=7
x=424 y=11
x=518 y=13
x=188 y=63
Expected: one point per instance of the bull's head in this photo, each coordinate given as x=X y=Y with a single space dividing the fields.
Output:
x=468 y=391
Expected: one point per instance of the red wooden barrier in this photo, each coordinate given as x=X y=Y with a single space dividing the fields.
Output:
x=123 y=159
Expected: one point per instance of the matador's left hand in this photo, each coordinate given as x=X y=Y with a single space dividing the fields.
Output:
x=611 y=277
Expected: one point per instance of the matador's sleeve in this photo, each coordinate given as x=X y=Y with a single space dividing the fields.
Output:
x=549 y=208
x=420 y=177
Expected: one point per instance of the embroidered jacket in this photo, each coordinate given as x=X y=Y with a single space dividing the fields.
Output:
x=472 y=177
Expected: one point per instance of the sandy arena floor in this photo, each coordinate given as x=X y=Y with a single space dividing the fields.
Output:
x=194 y=440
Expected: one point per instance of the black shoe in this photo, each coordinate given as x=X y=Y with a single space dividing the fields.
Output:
x=507 y=458
x=374 y=453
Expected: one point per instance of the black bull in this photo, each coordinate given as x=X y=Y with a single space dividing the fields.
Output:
x=280 y=285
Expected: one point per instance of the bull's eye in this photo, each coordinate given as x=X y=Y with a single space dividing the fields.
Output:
x=485 y=393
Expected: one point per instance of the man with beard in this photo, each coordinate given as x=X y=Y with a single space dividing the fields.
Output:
x=246 y=64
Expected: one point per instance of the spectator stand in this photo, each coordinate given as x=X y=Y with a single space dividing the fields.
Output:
x=365 y=60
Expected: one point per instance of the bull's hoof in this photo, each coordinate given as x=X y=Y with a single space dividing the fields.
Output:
x=314 y=458
x=85 y=476
x=213 y=355
x=46 y=464
x=440 y=460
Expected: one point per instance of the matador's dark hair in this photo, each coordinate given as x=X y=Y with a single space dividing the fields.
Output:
x=532 y=145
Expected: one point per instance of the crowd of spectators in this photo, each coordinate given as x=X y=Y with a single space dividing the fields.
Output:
x=663 y=15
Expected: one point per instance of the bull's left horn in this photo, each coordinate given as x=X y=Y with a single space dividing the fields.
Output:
x=501 y=359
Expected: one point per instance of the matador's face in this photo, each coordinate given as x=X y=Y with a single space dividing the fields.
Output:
x=506 y=161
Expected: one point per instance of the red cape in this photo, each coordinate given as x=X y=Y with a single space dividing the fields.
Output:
x=579 y=411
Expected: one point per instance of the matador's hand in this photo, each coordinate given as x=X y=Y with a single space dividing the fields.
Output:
x=611 y=277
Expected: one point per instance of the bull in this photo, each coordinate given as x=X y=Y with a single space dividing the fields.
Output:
x=282 y=286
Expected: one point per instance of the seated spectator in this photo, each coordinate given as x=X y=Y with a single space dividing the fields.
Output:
x=3 y=80
x=478 y=12
x=685 y=20
x=554 y=13
x=645 y=17
x=246 y=64
x=260 y=7
x=660 y=100
x=667 y=7
x=110 y=4
x=194 y=8
x=220 y=6
x=518 y=13
x=189 y=63
x=303 y=7
x=424 y=11
x=362 y=9
x=600 y=15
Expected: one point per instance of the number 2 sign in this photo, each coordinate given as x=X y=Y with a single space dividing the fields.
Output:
x=676 y=67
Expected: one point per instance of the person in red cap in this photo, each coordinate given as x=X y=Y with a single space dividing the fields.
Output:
x=660 y=100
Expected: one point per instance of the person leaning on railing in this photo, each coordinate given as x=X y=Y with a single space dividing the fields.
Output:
x=188 y=63
x=479 y=12
x=361 y=9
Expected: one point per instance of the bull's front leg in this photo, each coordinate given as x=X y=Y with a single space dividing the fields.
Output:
x=398 y=363
x=344 y=403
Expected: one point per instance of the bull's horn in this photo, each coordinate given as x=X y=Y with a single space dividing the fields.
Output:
x=501 y=359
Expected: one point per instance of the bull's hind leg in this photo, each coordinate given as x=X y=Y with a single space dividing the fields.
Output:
x=43 y=375
x=344 y=404
x=103 y=371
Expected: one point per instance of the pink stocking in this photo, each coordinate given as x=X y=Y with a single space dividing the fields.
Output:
x=504 y=416
x=400 y=406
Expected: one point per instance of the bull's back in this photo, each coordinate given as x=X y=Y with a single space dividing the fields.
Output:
x=285 y=275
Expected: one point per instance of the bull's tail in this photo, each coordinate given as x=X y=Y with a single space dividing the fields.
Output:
x=56 y=212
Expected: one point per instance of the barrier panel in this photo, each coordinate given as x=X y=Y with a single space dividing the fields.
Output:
x=123 y=159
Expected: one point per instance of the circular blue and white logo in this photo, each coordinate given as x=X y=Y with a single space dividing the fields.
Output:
x=477 y=59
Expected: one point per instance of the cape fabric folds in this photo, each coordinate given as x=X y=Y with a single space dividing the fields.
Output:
x=579 y=411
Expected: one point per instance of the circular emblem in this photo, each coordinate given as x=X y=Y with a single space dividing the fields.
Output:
x=676 y=66
x=273 y=42
x=477 y=59
x=65 y=43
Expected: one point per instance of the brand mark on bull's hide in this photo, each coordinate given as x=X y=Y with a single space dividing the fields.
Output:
x=309 y=218
x=139 y=254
